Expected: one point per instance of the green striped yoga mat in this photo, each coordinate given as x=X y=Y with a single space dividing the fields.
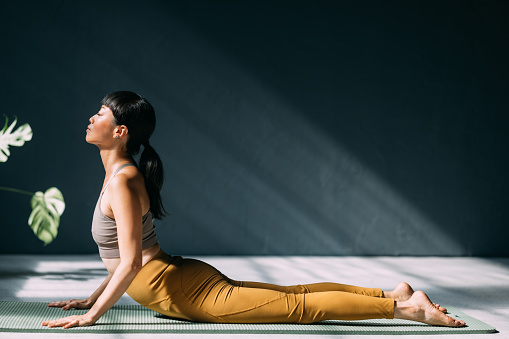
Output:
x=27 y=317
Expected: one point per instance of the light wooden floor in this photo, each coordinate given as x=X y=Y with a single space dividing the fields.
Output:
x=479 y=287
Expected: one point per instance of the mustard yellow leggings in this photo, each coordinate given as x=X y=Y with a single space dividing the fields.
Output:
x=193 y=290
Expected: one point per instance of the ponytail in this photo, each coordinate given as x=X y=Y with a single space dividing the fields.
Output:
x=135 y=112
x=151 y=167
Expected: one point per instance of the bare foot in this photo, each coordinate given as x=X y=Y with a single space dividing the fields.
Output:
x=420 y=308
x=403 y=292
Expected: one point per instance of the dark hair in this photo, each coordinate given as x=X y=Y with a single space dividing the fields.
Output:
x=138 y=115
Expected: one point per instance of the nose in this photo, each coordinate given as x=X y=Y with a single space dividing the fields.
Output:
x=91 y=119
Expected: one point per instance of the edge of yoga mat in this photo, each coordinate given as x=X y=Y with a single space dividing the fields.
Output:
x=26 y=317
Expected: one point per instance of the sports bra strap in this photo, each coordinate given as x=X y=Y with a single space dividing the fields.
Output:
x=115 y=173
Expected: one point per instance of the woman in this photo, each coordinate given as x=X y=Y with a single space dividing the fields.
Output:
x=190 y=289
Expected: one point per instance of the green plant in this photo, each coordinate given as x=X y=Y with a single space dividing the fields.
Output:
x=47 y=207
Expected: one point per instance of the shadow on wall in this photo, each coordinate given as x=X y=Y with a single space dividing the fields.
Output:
x=345 y=133
x=299 y=127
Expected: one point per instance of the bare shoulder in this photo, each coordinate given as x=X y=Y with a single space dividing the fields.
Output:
x=125 y=190
x=129 y=178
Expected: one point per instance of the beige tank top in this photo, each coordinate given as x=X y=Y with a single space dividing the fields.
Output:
x=104 y=228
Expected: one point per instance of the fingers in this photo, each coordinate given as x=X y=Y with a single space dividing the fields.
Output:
x=64 y=322
x=55 y=323
x=67 y=304
x=72 y=324
x=75 y=304
x=68 y=322
x=62 y=303
x=57 y=303
x=49 y=323
x=70 y=305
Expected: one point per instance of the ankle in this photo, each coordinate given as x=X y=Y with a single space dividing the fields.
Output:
x=404 y=310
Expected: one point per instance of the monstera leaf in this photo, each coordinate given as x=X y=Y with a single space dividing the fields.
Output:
x=47 y=208
x=10 y=138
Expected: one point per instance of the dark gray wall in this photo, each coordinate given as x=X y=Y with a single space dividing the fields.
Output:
x=299 y=127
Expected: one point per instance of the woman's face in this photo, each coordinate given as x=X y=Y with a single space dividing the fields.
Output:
x=101 y=128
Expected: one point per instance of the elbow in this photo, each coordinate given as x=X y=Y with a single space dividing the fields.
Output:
x=133 y=266
x=136 y=266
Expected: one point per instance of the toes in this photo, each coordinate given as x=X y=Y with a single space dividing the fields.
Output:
x=440 y=308
x=456 y=322
x=431 y=314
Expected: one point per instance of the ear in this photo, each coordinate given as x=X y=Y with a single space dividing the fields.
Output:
x=120 y=132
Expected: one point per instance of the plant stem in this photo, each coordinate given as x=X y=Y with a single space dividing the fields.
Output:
x=15 y=190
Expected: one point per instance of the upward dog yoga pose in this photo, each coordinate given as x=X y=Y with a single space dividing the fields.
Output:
x=123 y=229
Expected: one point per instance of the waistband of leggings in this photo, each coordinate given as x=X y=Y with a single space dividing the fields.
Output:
x=166 y=258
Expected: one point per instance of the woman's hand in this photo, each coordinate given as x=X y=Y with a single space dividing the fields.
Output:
x=72 y=303
x=68 y=322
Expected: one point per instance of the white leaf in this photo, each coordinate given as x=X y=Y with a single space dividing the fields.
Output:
x=17 y=138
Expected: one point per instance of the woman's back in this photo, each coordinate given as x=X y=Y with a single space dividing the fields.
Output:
x=104 y=226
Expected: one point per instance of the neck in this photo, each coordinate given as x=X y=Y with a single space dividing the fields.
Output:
x=113 y=158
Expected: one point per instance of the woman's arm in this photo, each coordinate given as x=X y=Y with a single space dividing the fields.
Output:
x=126 y=207
x=84 y=303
